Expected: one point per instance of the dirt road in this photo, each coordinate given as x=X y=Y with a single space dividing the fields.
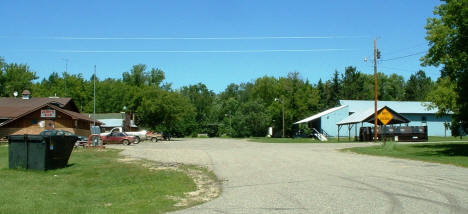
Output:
x=313 y=178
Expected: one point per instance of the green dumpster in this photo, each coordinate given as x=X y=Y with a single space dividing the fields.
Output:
x=39 y=152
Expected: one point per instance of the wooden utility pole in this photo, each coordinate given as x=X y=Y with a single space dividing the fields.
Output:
x=375 y=90
x=94 y=106
x=282 y=102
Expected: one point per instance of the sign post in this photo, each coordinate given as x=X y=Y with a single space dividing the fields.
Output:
x=385 y=117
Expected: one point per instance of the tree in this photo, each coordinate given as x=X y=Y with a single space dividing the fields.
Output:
x=447 y=34
x=353 y=85
x=16 y=77
x=203 y=101
x=137 y=75
x=156 y=77
x=2 y=79
x=418 y=87
x=443 y=96
x=250 y=120
x=162 y=110
x=333 y=90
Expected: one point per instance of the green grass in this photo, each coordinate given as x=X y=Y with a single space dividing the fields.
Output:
x=298 y=140
x=445 y=153
x=342 y=140
x=449 y=138
x=95 y=182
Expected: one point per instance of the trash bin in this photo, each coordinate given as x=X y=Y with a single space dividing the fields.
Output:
x=39 y=152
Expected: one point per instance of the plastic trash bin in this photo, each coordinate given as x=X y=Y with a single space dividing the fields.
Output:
x=39 y=152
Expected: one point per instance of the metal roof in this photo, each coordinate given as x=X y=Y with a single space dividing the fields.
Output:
x=321 y=114
x=402 y=107
x=115 y=123
x=102 y=116
x=363 y=116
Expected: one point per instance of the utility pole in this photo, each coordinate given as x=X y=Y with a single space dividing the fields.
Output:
x=94 y=108
x=66 y=71
x=375 y=90
x=282 y=103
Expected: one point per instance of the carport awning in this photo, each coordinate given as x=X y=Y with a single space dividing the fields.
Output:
x=316 y=116
x=368 y=116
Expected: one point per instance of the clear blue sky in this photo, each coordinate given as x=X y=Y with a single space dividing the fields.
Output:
x=161 y=34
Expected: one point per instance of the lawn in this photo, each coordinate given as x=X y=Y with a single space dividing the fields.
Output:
x=298 y=140
x=445 y=153
x=95 y=182
x=342 y=140
x=449 y=138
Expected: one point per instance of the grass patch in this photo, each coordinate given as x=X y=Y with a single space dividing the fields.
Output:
x=442 y=139
x=298 y=140
x=445 y=153
x=95 y=182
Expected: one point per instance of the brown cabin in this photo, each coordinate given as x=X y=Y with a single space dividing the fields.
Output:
x=28 y=115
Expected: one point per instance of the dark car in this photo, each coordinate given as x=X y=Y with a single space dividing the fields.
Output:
x=81 y=140
x=117 y=138
x=56 y=132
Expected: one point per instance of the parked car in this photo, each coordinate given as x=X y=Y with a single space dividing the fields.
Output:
x=56 y=132
x=81 y=140
x=118 y=137
x=139 y=136
x=154 y=136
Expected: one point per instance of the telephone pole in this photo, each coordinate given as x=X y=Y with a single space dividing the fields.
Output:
x=375 y=90
x=94 y=108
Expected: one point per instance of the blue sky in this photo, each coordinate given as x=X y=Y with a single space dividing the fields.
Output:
x=215 y=42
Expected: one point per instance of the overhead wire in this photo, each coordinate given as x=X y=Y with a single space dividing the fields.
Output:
x=402 y=57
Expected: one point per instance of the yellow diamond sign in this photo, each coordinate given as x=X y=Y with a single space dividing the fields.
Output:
x=385 y=116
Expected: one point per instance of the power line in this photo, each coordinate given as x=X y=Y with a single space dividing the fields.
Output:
x=204 y=38
x=401 y=57
x=202 y=51
x=404 y=49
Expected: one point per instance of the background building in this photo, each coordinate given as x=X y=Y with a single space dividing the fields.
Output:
x=28 y=115
x=417 y=112
x=111 y=120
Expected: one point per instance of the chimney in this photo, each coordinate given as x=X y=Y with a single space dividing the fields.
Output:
x=26 y=95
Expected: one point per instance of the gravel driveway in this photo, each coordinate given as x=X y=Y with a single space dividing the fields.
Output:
x=313 y=178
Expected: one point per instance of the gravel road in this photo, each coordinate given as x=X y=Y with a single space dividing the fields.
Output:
x=313 y=178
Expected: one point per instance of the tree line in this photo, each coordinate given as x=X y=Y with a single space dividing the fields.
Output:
x=241 y=110
x=247 y=109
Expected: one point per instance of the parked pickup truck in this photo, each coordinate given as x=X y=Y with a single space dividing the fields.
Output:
x=139 y=136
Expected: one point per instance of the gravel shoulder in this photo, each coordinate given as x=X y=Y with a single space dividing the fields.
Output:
x=312 y=178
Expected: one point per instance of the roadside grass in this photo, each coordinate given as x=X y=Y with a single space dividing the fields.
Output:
x=445 y=153
x=449 y=138
x=342 y=140
x=298 y=140
x=95 y=182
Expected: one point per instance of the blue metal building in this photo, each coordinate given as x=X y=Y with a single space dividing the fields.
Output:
x=417 y=112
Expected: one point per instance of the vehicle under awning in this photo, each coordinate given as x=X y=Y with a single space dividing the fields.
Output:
x=368 y=116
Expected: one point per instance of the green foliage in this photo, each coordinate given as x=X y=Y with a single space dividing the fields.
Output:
x=447 y=34
x=203 y=100
x=418 y=87
x=167 y=111
x=15 y=77
x=443 y=96
x=250 y=120
x=241 y=110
